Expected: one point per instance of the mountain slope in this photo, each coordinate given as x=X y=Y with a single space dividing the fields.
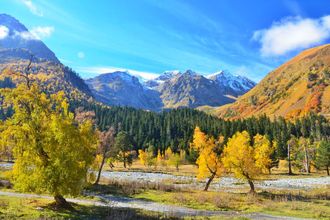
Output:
x=19 y=37
x=16 y=51
x=297 y=87
x=121 y=88
x=232 y=85
x=191 y=90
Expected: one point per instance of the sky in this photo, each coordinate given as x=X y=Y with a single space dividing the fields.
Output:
x=148 y=37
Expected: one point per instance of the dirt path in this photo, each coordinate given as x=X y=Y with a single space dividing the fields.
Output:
x=169 y=210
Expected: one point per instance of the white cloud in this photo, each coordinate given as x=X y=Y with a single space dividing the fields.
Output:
x=108 y=69
x=32 y=7
x=36 y=33
x=4 y=31
x=291 y=34
x=81 y=55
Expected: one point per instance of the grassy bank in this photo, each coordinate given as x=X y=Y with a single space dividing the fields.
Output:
x=37 y=208
x=313 y=204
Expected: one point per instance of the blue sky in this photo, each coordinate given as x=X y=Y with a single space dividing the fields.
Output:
x=150 y=36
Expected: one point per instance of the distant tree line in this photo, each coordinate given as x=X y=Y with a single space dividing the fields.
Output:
x=175 y=128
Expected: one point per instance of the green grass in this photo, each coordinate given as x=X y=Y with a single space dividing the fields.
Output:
x=22 y=208
x=308 y=205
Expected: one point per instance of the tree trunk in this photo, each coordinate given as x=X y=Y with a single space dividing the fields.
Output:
x=306 y=160
x=209 y=182
x=100 y=170
x=124 y=162
x=251 y=187
x=60 y=202
x=328 y=171
x=289 y=160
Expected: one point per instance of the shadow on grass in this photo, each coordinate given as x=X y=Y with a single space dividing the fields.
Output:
x=116 y=190
x=129 y=188
x=288 y=196
x=96 y=212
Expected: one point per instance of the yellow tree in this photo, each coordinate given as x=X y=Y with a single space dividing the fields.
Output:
x=245 y=161
x=147 y=157
x=52 y=151
x=143 y=157
x=160 y=159
x=262 y=151
x=209 y=160
x=175 y=160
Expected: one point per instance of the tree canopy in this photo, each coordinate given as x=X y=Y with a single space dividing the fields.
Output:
x=52 y=151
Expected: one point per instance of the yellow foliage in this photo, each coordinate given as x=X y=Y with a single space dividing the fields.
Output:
x=208 y=161
x=143 y=157
x=97 y=162
x=199 y=139
x=245 y=161
x=52 y=152
x=168 y=153
x=262 y=152
x=159 y=156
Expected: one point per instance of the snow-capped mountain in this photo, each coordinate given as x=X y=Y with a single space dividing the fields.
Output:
x=165 y=76
x=171 y=89
x=239 y=84
x=124 y=89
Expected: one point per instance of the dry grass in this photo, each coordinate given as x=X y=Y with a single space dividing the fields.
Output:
x=22 y=208
x=184 y=170
x=306 y=204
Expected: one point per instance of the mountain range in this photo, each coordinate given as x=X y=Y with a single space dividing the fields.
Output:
x=294 y=89
x=172 y=89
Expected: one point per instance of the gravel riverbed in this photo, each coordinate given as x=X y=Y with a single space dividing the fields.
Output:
x=218 y=184
x=224 y=182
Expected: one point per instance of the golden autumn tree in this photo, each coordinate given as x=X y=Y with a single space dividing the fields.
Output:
x=160 y=159
x=143 y=157
x=209 y=160
x=245 y=161
x=52 y=151
x=147 y=157
x=262 y=151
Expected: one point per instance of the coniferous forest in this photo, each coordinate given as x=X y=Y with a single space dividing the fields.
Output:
x=175 y=128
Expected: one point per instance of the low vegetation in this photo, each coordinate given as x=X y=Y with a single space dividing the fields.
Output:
x=14 y=208
x=314 y=204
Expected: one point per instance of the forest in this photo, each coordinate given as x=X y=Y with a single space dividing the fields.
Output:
x=175 y=128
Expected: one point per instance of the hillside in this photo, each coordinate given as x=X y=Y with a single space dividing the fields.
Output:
x=17 y=50
x=19 y=37
x=297 y=87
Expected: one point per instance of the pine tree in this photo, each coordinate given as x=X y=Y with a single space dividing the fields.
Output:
x=323 y=156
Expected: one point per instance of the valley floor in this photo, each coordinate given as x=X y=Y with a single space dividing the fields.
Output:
x=146 y=194
x=116 y=203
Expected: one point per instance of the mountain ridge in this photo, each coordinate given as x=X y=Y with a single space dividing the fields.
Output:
x=172 y=89
x=16 y=52
x=19 y=37
x=299 y=86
